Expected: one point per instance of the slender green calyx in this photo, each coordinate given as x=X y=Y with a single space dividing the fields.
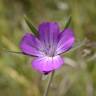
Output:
x=67 y=23
x=31 y=26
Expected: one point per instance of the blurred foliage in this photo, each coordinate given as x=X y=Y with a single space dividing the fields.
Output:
x=77 y=77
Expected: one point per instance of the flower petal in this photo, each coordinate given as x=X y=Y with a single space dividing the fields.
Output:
x=30 y=45
x=47 y=64
x=66 y=41
x=48 y=33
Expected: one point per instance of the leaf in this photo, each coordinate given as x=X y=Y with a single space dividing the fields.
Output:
x=68 y=22
x=31 y=26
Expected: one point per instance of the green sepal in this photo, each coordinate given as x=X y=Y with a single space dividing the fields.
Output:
x=67 y=23
x=31 y=26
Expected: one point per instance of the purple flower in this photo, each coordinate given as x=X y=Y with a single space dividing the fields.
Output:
x=47 y=46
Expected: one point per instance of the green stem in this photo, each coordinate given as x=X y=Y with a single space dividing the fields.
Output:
x=48 y=84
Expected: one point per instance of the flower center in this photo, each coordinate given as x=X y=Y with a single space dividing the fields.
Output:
x=50 y=51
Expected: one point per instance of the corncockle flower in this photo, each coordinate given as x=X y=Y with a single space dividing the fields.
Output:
x=47 y=46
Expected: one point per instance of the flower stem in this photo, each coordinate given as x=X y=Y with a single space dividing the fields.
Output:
x=48 y=84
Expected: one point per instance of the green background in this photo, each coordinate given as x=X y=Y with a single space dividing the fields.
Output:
x=77 y=77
